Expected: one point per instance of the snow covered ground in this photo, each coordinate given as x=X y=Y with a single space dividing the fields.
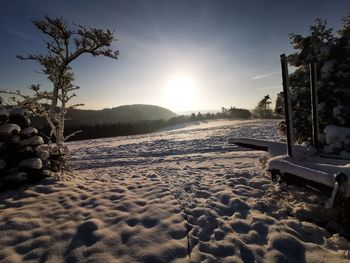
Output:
x=181 y=195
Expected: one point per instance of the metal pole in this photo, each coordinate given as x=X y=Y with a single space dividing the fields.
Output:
x=314 y=103
x=287 y=104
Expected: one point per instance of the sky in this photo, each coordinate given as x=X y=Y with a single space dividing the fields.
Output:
x=182 y=55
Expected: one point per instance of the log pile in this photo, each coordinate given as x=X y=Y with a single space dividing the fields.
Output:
x=23 y=156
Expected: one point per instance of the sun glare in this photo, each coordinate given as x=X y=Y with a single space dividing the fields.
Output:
x=180 y=92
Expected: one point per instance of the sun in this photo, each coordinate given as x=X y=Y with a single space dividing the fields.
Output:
x=180 y=92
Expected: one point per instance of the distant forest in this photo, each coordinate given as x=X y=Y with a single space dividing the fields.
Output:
x=124 y=114
x=148 y=126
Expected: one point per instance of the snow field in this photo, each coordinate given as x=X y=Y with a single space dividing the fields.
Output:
x=173 y=196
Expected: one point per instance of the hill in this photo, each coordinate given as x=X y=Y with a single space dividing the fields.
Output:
x=126 y=113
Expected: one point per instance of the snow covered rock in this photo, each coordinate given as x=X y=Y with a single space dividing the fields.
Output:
x=43 y=154
x=9 y=128
x=20 y=117
x=29 y=132
x=32 y=163
x=33 y=141
x=20 y=156
x=28 y=152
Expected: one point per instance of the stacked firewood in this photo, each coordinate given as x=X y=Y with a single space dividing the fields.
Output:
x=23 y=156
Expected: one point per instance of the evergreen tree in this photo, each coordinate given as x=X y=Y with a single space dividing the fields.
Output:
x=224 y=110
x=331 y=54
x=279 y=107
x=193 y=117
x=199 y=116
x=263 y=110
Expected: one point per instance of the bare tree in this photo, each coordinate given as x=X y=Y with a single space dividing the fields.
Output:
x=64 y=44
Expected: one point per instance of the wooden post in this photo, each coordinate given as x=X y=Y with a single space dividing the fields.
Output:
x=287 y=105
x=314 y=104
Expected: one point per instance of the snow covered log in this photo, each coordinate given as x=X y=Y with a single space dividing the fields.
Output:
x=315 y=171
x=286 y=165
x=328 y=175
x=273 y=148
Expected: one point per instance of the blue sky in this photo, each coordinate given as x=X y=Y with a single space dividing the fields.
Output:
x=182 y=55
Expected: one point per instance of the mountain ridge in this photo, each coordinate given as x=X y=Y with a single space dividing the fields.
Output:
x=123 y=113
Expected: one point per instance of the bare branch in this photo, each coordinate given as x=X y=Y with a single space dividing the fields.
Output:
x=72 y=134
x=76 y=105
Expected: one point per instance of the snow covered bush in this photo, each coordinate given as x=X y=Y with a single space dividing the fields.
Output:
x=337 y=140
x=331 y=53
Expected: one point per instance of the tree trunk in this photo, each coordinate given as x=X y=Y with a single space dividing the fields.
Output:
x=52 y=114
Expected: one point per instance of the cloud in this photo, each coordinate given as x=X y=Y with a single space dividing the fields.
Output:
x=16 y=33
x=266 y=76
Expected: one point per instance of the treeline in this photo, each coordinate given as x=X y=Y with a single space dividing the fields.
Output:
x=143 y=127
x=234 y=113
